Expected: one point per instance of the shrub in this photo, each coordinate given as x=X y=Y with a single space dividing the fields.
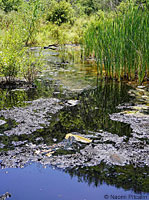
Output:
x=19 y=64
x=16 y=61
x=88 y=6
x=10 y=54
x=61 y=12
x=93 y=6
x=30 y=65
x=9 y=5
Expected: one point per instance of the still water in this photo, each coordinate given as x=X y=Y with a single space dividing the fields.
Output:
x=36 y=182
x=66 y=77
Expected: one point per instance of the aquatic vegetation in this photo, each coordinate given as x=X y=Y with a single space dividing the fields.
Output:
x=19 y=64
x=120 y=43
x=31 y=65
x=84 y=113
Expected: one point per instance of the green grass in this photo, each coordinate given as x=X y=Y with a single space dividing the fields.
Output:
x=120 y=44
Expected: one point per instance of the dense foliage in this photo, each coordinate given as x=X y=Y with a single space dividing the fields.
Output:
x=109 y=28
x=61 y=12
x=9 y=5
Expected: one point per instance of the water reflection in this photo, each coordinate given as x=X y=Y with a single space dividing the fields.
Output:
x=127 y=177
x=92 y=114
x=17 y=97
x=40 y=183
x=65 y=79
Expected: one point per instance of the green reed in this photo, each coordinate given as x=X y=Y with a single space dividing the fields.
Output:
x=120 y=44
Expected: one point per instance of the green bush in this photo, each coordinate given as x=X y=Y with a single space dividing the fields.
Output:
x=9 y=5
x=9 y=65
x=19 y=64
x=61 y=12
x=17 y=61
x=92 y=6
x=30 y=65
x=7 y=19
x=10 y=54
x=88 y=6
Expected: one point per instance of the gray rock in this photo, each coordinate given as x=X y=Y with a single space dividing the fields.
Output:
x=72 y=102
x=2 y=122
x=32 y=117
x=5 y=196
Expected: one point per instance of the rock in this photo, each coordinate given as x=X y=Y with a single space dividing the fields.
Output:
x=52 y=47
x=50 y=154
x=5 y=196
x=31 y=117
x=2 y=122
x=72 y=102
x=91 y=154
x=18 y=143
x=77 y=138
x=141 y=86
x=116 y=158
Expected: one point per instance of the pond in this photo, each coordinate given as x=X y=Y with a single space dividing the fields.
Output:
x=36 y=159
x=36 y=182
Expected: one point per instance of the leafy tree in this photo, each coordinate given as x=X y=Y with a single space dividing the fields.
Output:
x=92 y=6
x=61 y=12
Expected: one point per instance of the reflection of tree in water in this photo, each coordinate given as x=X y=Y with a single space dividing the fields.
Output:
x=99 y=103
x=91 y=114
x=93 y=111
x=11 y=98
x=19 y=97
x=127 y=177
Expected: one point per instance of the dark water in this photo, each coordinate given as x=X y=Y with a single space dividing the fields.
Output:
x=66 y=79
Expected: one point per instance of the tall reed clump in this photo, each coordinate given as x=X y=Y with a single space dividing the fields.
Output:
x=120 y=43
